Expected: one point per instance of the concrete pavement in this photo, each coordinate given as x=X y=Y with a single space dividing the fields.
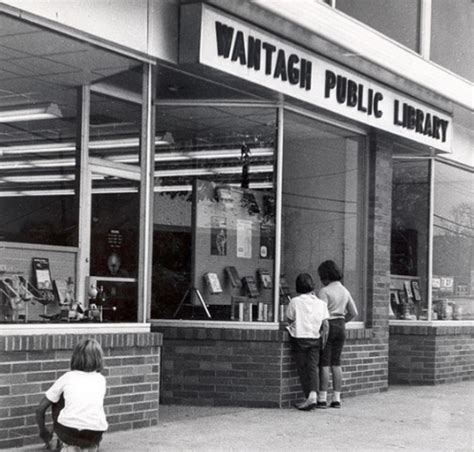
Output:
x=409 y=418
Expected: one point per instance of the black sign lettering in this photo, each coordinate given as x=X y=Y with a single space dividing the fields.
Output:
x=239 y=49
x=293 y=71
x=224 y=36
x=360 y=99
x=330 y=83
x=254 y=51
x=246 y=50
x=305 y=76
x=421 y=122
x=280 y=66
x=378 y=97
x=351 y=93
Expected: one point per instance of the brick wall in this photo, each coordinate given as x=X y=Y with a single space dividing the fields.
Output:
x=255 y=368
x=431 y=355
x=30 y=364
x=219 y=366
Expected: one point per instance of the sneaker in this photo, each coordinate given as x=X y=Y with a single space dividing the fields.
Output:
x=321 y=405
x=307 y=405
x=335 y=404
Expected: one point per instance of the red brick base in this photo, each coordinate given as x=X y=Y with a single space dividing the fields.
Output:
x=255 y=368
x=431 y=354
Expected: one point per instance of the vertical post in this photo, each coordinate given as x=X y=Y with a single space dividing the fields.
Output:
x=424 y=32
x=430 y=240
x=278 y=214
x=83 y=192
x=147 y=166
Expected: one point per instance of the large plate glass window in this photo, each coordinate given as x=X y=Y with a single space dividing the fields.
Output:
x=323 y=204
x=453 y=243
x=410 y=239
x=214 y=222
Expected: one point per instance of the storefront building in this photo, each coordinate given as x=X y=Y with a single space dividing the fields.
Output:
x=168 y=168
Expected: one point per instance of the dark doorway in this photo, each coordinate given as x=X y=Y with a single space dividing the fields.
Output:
x=171 y=269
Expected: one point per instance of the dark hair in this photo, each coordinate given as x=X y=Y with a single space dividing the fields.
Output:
x=328 y=272
x=304 y=283
x=87 y=356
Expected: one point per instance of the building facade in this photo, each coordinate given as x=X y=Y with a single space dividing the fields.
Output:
x=169 y=167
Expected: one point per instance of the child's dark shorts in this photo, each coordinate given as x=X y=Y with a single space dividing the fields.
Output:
x=331 y=354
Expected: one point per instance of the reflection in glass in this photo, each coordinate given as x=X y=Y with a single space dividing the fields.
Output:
x=323 y=202
x=453 y=243
x=114 y=248
x=213 y=213
x=409 y=241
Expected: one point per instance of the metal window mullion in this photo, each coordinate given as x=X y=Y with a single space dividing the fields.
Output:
x=278 y=214
x=425 y=29
x=83 y=192
x=147 y=151
x=430 y=241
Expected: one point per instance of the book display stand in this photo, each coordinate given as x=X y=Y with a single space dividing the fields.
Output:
x=190 y=292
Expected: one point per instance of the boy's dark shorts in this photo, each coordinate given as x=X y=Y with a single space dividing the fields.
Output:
x=331 y=354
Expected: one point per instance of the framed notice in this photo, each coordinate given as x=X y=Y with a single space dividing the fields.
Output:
x=244 y=239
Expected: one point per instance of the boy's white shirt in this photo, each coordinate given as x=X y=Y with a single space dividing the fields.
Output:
x=306 y=313
x=84 y=394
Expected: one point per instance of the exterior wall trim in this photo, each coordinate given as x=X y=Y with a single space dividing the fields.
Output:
x=371 y=45
x=69 y=31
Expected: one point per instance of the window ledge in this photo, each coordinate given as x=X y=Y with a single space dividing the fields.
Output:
x=215 y=324
x=433 y=323
x=433 y=328
x=234 y=324
x=73 y=328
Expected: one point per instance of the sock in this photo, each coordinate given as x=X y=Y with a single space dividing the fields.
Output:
x=322 y=396
x=312 y=396
x=337 y=396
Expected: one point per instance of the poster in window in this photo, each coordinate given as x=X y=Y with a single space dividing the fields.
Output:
x=415 y=287
x=267 y=242
x=42 y=273
x=265 y=278
x=218 y=236
x=244 y=239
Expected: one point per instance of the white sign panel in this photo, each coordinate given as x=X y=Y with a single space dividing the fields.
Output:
x=245 y=51
x=244 y=239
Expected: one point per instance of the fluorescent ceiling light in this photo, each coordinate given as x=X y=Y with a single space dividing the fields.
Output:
x=115 y=190
x=174 y=156
x=160 y=140
x=185 y=172
x=29 y=112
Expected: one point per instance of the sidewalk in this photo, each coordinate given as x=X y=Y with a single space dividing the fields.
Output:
x=410 y=418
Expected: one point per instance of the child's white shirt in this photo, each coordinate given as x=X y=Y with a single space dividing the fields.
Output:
x=84 y=394
x=306 y=313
